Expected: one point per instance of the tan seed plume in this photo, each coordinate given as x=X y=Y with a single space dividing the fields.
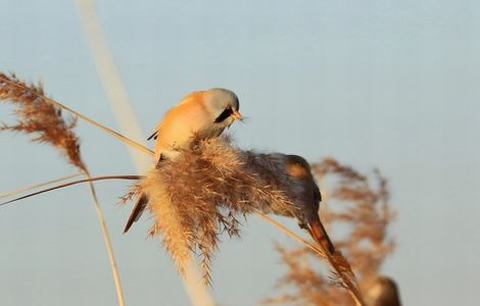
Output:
x=41 y=118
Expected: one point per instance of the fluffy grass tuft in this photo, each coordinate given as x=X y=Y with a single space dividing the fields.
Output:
x=40 y=119
x=205 y=192
x=202 y=194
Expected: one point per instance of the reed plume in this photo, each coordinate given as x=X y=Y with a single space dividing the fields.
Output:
x=41 y=118
x=358 y=204
x=201 y=194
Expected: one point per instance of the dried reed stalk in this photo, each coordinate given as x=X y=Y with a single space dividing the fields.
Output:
x=15 y=86
x=13 y=193
x=294 y=236
x=124 y=114
x=41 y=118
x=87 y=180
x=363 y=207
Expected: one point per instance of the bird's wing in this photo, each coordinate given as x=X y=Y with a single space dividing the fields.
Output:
x=137 y=211
x=316 y=193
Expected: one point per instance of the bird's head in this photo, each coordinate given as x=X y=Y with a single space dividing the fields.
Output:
x=223 y=105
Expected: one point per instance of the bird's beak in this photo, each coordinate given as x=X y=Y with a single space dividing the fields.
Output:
x=236 y=115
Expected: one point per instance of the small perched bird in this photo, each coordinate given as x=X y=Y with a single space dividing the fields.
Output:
x=200 y=115
x=382 y=291
x=292 y=174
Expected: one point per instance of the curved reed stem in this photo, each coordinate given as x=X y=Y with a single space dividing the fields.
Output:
x=87 y=180
x=41 y=117
x=36 y=186
x=124 y=114
x=107 y=242
x=291 y=234
x=109 y=131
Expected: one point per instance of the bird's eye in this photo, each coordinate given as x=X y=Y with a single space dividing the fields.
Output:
x=224 y=115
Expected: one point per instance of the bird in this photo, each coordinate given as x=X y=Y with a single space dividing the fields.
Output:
x=382 y=291
x=200 y=115
x=293 y=174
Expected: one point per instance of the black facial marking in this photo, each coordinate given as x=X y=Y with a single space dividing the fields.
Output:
x=154 y=136
x=224 y=115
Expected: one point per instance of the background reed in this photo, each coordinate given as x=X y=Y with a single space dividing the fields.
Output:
x=124 y=113
x=43 y=121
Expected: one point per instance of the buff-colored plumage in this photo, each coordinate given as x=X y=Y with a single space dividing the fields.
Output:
x=194 y=117
x=200 y=115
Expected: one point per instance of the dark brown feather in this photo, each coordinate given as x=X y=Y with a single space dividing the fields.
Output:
x=137 y=211
x=154 y=135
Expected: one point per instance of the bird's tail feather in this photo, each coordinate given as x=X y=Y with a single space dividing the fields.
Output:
x=319 y=234
x=137 y=211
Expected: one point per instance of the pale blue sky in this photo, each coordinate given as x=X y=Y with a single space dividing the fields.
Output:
x=389 y=84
